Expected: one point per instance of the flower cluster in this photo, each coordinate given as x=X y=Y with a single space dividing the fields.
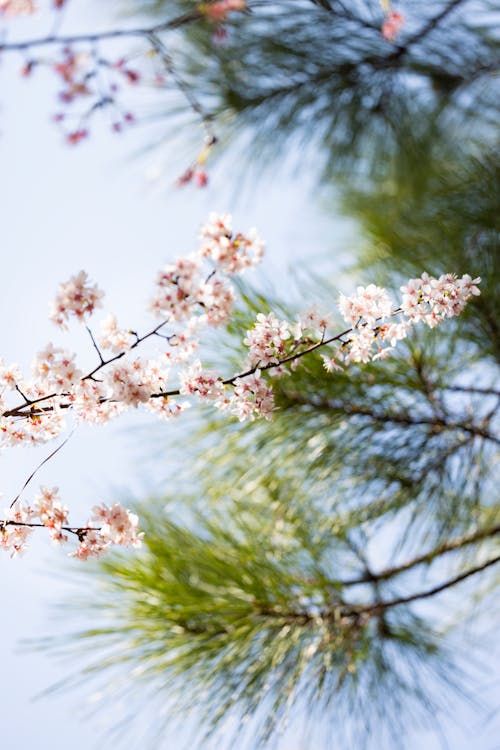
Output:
x=55 y=369
x=202 y=383
x=184 y=290
x=231 y=253
x=107 y=526
x=77 y=297
x=267 y=340
x=431 y=300
x=369 y=303
x=392 y=26
x=425 y=300
x=252 y=397
x=89 y=83
x=113 y=338
x=191 y=294
x=116 y=525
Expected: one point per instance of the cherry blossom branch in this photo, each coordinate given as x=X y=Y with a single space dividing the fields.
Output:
x=20 y=411
x=80 y=73
x=189 y=297
x=79 y=531
x=107 y=526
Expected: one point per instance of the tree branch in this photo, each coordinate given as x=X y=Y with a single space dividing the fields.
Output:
x=381 y=606
x=448 y=546
x=425 y=30
x=388 y=417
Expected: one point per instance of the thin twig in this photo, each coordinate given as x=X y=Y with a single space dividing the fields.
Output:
x=70 y=39
x=95 y=344
x=31 y=476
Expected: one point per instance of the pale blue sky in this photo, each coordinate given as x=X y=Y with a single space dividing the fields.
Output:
x=93 y=207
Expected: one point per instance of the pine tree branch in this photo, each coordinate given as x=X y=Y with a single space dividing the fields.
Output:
x=435 y=422
x=469 y=389
x=382 y=606
x=70 y=39
x=448 y=546
x=425 y=30
x=206 y=118
x=341 y=612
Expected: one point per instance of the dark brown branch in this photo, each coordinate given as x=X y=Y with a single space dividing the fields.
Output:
x=381 y=606
x=442 y=549
x=78 y=531
x=361 y=613
x=94 y=344
x=26 y=410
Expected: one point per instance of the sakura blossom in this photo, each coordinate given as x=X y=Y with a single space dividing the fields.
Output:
x=51 y=512
x=191 y=294
x=15 y=529
x=75 y=298
x=231 y=253
x=55 y=368
x=430 y=300
x=330 y=364
x=369 y=304
x=203 y=383
x=266 y=341
x=113 y=338
x=118 y=525
x=252 y=397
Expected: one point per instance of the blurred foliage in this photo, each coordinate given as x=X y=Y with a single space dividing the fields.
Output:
x=316 y=79
x=245 y=606
x=244 y=617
